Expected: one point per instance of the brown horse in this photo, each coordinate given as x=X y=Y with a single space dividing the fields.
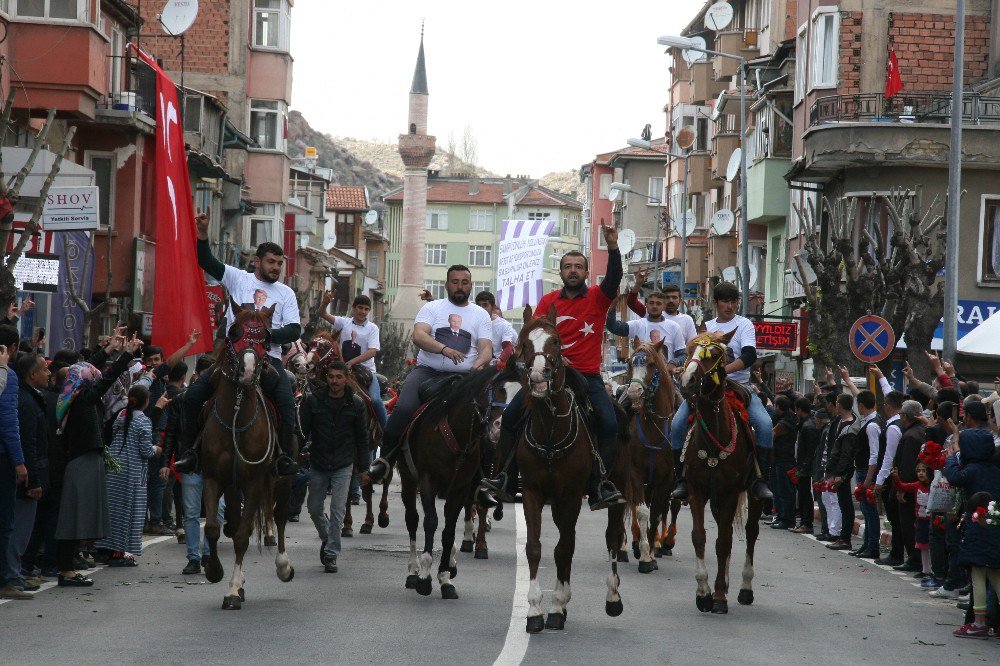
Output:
x=718 y=458
x=239 y=443
x=651 y=393
x=555 y=455
x=444 y=451
x=324 y=350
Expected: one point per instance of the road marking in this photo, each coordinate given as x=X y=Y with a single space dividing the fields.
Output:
x=515 y=646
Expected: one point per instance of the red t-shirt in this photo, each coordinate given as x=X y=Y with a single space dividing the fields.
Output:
x=580 y=322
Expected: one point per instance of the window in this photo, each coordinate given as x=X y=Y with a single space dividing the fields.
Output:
x=436 y=287
x=53 y=9
x=554 y=260
x=261 y=231
x=193 y=105
x=676 y=200
x=480 y=255
x=345 y=230
x=437 y=219
x=103 y=166
x=116 y=61
x=372 y=262
x=800 y=64
x=478 y=287
x=701 y=141
x=481 y=219
x=538 y=216
x=271 y=24
x=656 y=192
x=824 y=55
x=436 y=255
x=267 y=120
x=576 y=226
x=990 y=242
x=605 y=186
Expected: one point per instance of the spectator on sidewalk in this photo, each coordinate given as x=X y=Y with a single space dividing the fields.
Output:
x=865 y=465
x=840 y=469
x=892 y=433
x=785 y=430
x=13 y=472
x=831 y=507
x=172 y=493
x=914 y=436
x=921 y=490
x=333 y=421
x=806 y=445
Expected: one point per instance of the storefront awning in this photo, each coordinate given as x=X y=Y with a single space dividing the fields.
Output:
x=70 y=173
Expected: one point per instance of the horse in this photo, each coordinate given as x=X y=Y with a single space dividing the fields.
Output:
x=324 y=350
x=555 y=454
x=442 y=461
x=239 y=443
x=651 y=393
x=718 y=455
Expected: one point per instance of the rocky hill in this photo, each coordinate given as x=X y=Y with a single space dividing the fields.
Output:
x=566 y=182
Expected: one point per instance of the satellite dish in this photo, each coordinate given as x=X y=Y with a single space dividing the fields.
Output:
x=734 y=165
x=692 y=56
x=614 y=194
x=685 y=225
x=626 y=241
x=719 y=16
x=729 y=274
x=178 y=15
x=723 y=221
x=685 y=137
x=718 y=105
x=371 y=217
x=753 y=276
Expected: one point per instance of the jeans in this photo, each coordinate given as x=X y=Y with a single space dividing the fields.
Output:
x=892 y=515
x=197 y=546
x=833 y=517
x=784 y=491
x=759 y=419
x=8 y=487
x=24 y=522
x=375 y=392
x=958 y=575
x=154 y=490
x=406 y=404
x=44 y=532
x=873 y=528
x=338 y=481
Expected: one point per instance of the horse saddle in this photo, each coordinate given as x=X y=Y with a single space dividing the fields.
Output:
x=576 y=383
x=739 y=397
x=362 y=375
x=428 y=392
x=432 y=388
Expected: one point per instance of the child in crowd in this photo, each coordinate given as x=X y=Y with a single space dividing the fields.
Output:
x=922 y=524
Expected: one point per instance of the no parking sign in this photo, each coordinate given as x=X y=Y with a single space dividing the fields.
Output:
x=872 y=339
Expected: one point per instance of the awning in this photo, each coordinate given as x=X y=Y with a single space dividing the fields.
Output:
x=70 y=173
x=982 y=340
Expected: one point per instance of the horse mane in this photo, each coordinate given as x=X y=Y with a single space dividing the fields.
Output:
x=461 y=390
x=329 y=336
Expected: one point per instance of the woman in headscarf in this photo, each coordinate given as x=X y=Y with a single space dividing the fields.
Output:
x=83 y=510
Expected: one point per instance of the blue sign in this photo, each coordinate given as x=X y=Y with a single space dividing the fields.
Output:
x=872 y=339
x=970 y=315
x=670 y=277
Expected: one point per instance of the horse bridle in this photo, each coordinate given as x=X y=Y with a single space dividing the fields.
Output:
x=713 y=370
x=553 y=364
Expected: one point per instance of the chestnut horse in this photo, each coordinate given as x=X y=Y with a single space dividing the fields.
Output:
x=555 y=454
x=239 y=444
x=718 y=456
x=651 y=393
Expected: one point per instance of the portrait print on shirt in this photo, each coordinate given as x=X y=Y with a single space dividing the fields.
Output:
x=454 y=336
x=350 y=349
x=259 y=301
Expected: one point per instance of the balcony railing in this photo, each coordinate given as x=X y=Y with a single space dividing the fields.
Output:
x=929 y=108
x=131 y=86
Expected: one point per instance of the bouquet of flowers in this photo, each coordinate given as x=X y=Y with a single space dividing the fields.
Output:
x=987 y=515
x=939 y=523
x=793 y=474
x=858 y=492
x=819 y=486
x=932 y=455
x=110 y=462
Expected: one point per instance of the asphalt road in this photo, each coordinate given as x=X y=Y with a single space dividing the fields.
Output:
x=812 y=605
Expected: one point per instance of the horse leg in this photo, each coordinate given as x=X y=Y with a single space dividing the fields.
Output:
x=531 y=504
x=703 y=598
x=282 y=564
x=646 y=562
x=430 y=529
x=723 y=551
x=241 y=541
x=752 y=527
x=565 y=516
x=367 y=492
x=383 y=505
x=448 y=569
x=409 y=497
x=614 y=536
x=213 y=568
x=348 y=528
x=482 y=552
x=670 y=539
x=636 y=537
x=467 y=537
x=269 y=540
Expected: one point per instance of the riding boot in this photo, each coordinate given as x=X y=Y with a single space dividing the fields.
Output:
x=483 y=499
x=285 y=465
x=758 y=488
x=500 y=486
x=601 y=492
x=680 y=487
x=380 y=467
x=186 y=458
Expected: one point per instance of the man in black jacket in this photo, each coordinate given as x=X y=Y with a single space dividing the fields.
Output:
x=786 y=430
x=806 y=446
x=333 y=421
x=840 y=468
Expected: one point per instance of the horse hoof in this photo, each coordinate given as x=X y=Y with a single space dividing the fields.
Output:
x=623 y=556
x=213 y=572
x=383 y=521
x=667 y=552
x=243 y=594
x=366 y=528
x=270 y=541
x=291 y=575
x=467 y=546
x=535 y=624
x=448 y=591
x=232 y=602
x=498 y=512
x=647 y=567
x=635 y=549
x=745 y=597
x=482 y=554
x=704 y=603
x=555 y=621
x=423 y=586
x=720 y=607
x=453 y=571
x=347 y=532
x=613 y=608
x=411 y=582
x=657 y=552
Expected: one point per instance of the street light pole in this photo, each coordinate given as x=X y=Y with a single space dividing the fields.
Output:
x=950 y=341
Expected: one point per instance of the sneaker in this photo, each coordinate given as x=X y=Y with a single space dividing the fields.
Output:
x=944 y=593
x=963 y=598
x=26 y=586
x=931 y=583
x=331 y=566
x=972 y=630
x=10 y=592
x=193 y=567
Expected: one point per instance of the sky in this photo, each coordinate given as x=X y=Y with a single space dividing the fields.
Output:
x=544 y=85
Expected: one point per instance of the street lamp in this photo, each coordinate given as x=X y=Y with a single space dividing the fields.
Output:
x=678 y=42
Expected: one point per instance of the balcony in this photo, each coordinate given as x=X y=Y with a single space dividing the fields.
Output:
x=700 y=176
x=767 y=190
x=131 y=96
x=725 y=142
x=703 y=84
x=727 y=42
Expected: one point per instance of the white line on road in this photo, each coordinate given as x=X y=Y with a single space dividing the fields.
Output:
x=515 y=646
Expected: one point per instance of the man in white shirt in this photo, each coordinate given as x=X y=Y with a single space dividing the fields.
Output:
x=671 y=295
x=741 y=356
x=888 y=445
x=504 y=334
x=868 y=451
x=262 y=288
x=653 y=328
x=360 y=343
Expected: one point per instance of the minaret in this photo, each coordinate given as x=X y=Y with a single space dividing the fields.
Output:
x=417 y=149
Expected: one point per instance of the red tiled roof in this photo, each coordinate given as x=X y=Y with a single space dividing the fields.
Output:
x=457 y=191
x=344 y=197
x=538 y=198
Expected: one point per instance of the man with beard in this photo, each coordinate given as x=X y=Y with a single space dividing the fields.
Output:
x=268 y=262
x=437 y=359
x=671 y=309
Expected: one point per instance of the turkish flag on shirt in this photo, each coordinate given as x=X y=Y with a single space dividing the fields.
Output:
x=893 y=81
x=179 y=301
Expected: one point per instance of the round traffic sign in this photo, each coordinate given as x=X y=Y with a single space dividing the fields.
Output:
x=872 y=339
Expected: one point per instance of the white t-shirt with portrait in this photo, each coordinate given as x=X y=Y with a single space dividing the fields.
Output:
x=457 y=326
x=356 y=339
x=688 y=331
x=502 y=332
x=250 y=292
x=745 y=336
x=654 y=331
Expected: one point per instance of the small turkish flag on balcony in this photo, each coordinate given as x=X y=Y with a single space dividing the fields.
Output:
x=893 y=81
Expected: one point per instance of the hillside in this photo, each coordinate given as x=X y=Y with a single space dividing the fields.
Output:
x=566 y=182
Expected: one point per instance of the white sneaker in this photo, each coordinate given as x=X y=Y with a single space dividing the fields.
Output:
x=942 y=593
x=964 y=598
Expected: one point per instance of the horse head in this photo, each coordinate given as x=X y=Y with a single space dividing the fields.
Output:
x=323 y=350
x=539 y=355
x=706 y=360
x=246 y=343
x=643 y=365
x=295 y=360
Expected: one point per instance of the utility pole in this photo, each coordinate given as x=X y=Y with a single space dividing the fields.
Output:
x=950 y=345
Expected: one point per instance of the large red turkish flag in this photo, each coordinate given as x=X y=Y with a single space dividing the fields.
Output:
x=893 y=80
x=179 y=302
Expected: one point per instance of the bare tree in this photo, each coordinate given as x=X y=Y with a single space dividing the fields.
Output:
x=469 y=150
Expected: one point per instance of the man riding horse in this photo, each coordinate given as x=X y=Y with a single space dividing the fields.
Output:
x=248 y=290
x=454 y=338
x=741 y=355
x=581 y=311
